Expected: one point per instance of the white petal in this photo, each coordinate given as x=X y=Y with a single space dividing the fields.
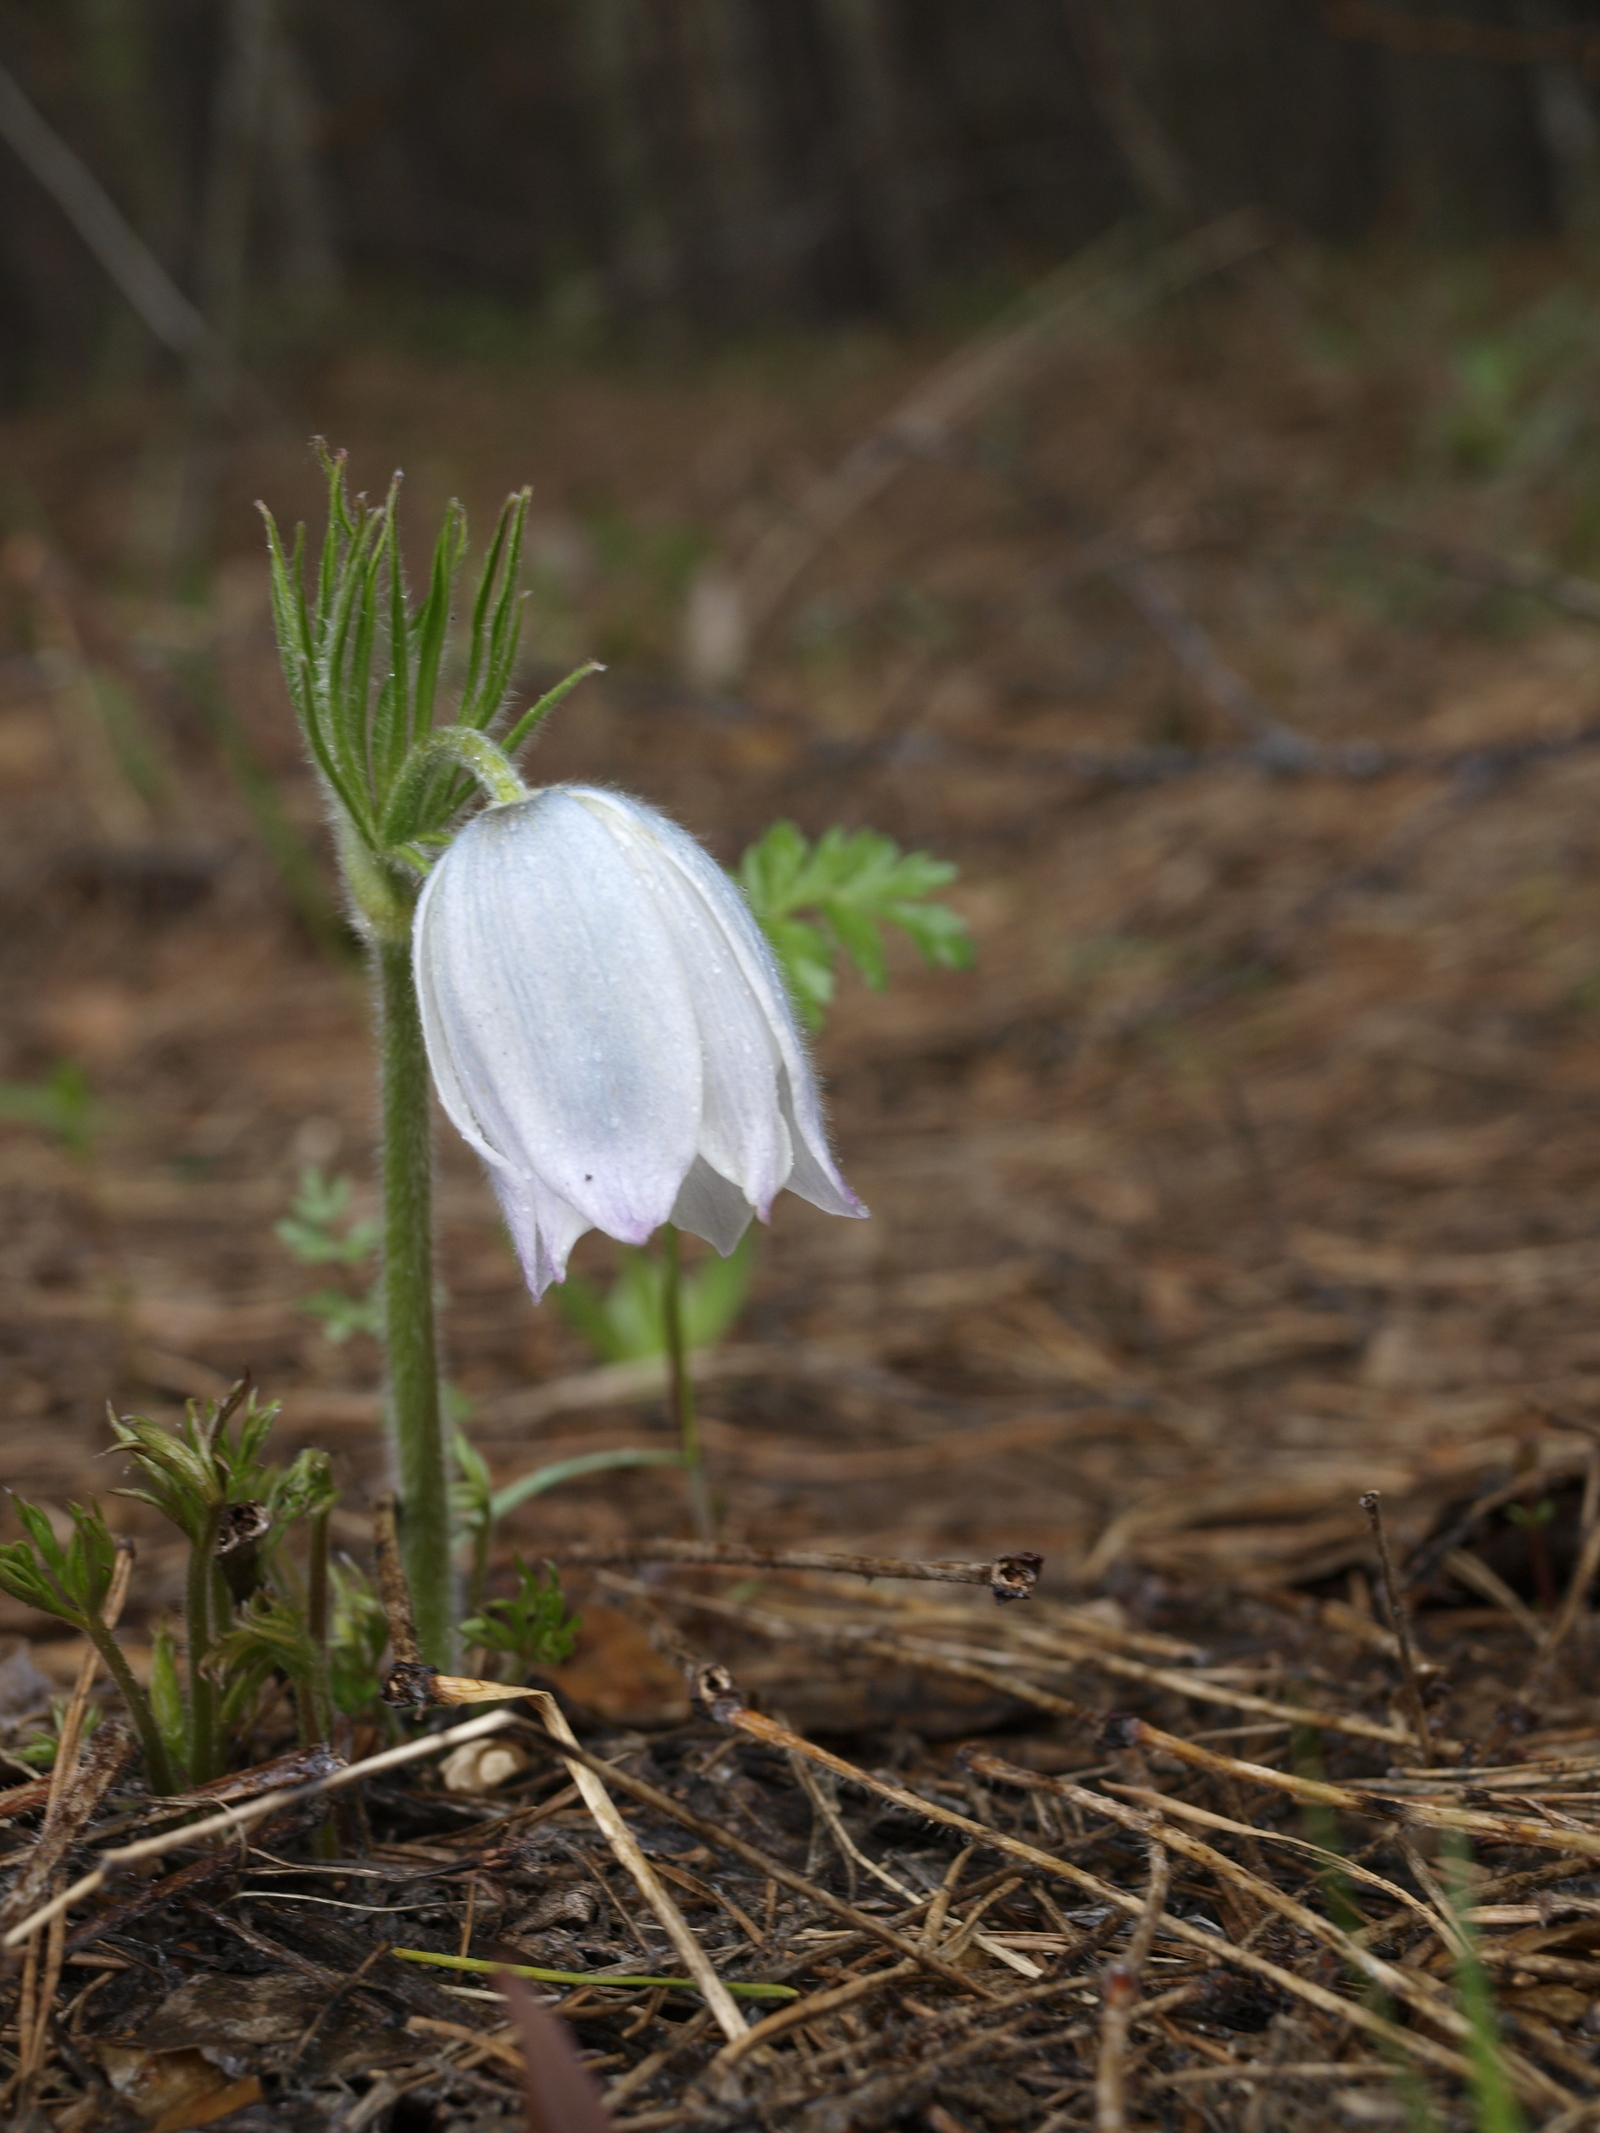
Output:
x=564 y=1041
x=814 y=1174
x=742 y=1132
x=711 y=1207
x=543 y=1227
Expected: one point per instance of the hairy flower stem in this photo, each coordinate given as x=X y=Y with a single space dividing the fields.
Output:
x=317 y=1624
x=683 y=1406
x=198 y=1623
x=157 y=1768
x=416 y=1434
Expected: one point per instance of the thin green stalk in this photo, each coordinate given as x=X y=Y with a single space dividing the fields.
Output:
x=197 y=1622
x=683 y=1406
x=1496 y=2109
x=416 y=1431
x=484 y=1964
x=478 y=1580
x=157 y=1767
x=317 y=1625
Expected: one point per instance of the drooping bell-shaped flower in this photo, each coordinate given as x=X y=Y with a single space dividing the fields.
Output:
x=607 y=1027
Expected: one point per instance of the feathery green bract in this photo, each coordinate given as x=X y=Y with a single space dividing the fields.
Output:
x=70 y=1583
x=191 y=1473
x=357 y=1635
x=850 y=884
x=364 y=666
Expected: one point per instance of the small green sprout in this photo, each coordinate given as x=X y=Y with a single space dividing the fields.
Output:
x=532 y=1628
x=318 y=1231
x=61 y=1104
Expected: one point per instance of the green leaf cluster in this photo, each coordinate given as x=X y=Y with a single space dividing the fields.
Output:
x=210 y=1478
x=318 y=1231
x=532 y=1627
x=816 y=902
x=628 y=1322
x=235 y=1508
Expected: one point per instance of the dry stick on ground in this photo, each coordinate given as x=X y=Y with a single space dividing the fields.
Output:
x=1473 y=1572
x=906 y=1651
x=834 y=1823
x=698 y=1671
x=1574 y=596
x=412 y=1684
x=1399 y=1622
x=708 y=1682
x=108 y=1751
x=234 y=1821
x=1011 y=1576
x=1119 y=1989
x=828 y=2001
x=626 y=1847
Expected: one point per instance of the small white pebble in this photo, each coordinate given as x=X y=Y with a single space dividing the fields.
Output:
x=478 y=1766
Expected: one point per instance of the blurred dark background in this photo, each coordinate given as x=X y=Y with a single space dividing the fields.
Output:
x=690 y=166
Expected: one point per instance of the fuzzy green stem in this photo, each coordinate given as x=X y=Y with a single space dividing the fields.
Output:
x=416 y=1432
x=682 y=1385
x=317 y=1624
x=468 y=750
x=197 y=1619
x=157 y=1768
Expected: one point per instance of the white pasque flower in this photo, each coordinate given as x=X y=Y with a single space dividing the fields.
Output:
x=607 y=1027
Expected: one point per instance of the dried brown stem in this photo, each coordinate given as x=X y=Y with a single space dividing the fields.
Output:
x=392 y=1587
x=1424 y=1996
x=1011 y=1576
x=1399 y=1622
x=625 y=1845
x=1130 y=1732
x=856 y=1638
x=808 y=2010
x=1119 y=1991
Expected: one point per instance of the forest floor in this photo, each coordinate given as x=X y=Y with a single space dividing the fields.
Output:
x=1253 y=1167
